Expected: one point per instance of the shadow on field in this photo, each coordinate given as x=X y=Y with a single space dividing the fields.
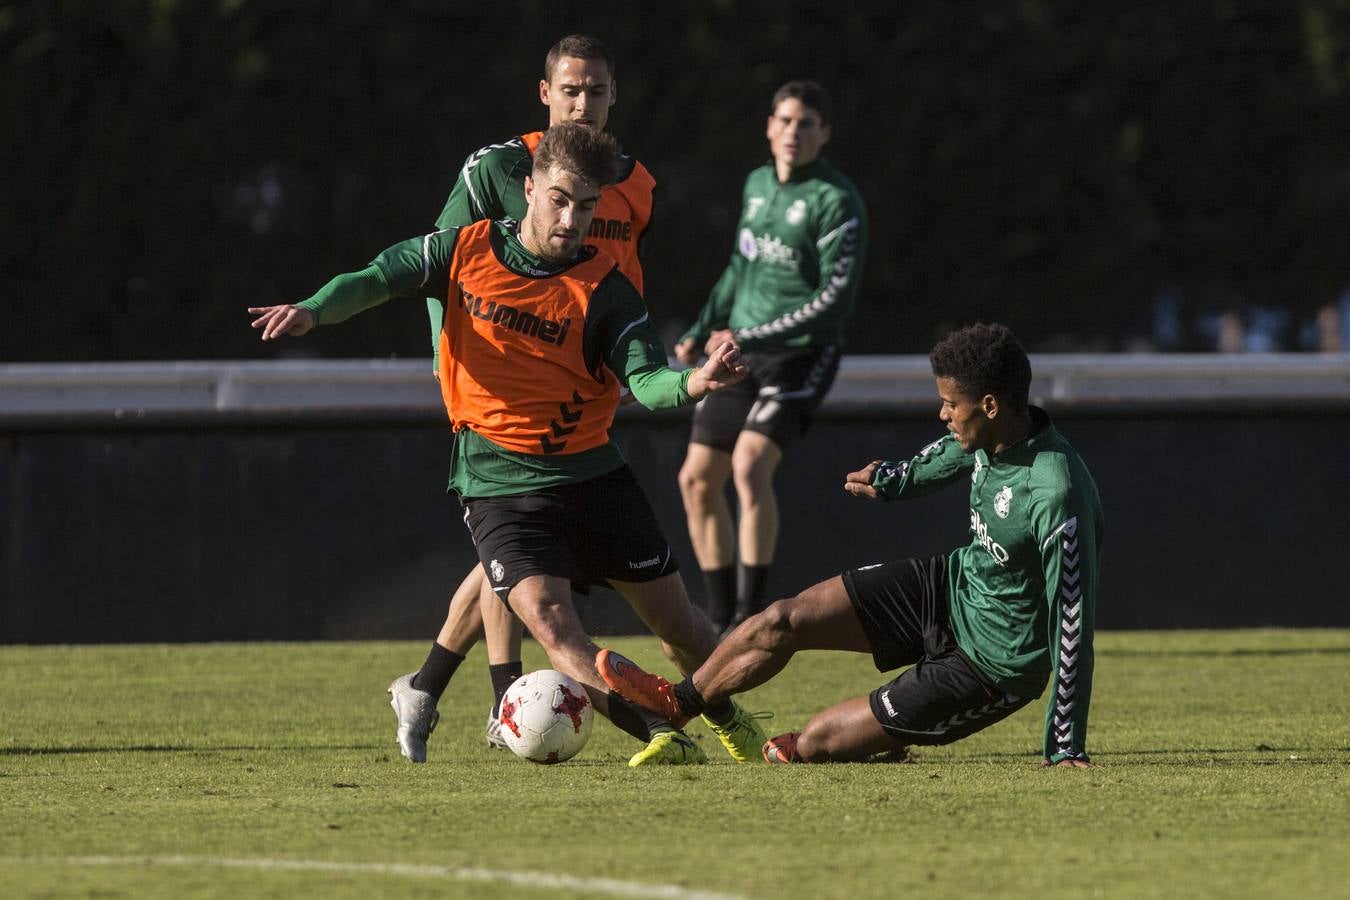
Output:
x=175 y=748
x=1188 y=756
x=1239 y=651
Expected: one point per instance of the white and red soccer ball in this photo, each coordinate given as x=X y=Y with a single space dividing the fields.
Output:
x=546 y=717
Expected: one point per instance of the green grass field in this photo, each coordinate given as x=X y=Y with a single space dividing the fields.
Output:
x=270 y=770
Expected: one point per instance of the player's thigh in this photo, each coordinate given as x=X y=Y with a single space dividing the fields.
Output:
x=755 y=458
x=940 y=700
x=663 y=605
x=544 y=605
x=901 y=607
x=792 y=385
x=521 y=536
x=704 y=466
x=614 y=534
x=719 y=416
x=846 y=731
x=819 y=618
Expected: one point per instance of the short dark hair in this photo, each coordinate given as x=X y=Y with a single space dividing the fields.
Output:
x=579 y=46
x=811 y=93
x=984 y=359
x=587 y=152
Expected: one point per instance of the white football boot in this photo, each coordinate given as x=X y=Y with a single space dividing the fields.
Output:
x=493 y=732
x=417 y=717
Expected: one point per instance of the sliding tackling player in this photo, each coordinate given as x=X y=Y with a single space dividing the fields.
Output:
x=982 y=628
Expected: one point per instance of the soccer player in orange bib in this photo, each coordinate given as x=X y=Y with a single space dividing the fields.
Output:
x=538 y=334
x=578 y=86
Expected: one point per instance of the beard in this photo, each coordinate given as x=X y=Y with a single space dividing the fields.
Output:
x=550 y=244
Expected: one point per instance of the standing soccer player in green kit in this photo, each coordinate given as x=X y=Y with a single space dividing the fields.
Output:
x=785 y=299
x=982 y=628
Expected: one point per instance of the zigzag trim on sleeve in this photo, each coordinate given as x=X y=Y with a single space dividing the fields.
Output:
x=472 y=163
x=1070 y=630
x=828 y=297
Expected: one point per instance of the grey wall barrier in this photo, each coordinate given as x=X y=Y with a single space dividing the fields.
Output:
x=302 y=500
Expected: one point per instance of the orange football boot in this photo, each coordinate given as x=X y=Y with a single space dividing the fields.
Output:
x=781 y=749
x=627 y=679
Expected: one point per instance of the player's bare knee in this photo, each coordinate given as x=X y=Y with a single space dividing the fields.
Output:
x=695 y=486
x=814 y=743
x=544 y=620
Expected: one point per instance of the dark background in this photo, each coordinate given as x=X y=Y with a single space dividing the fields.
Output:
x=270 y=528
x=1100 y=176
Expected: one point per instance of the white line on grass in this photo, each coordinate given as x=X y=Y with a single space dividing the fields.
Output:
x=458 y=873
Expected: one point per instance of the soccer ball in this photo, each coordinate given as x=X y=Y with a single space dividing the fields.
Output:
x=545 y=717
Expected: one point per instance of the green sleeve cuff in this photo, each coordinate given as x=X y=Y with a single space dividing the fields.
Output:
x=660 y=387
x=1068 y=754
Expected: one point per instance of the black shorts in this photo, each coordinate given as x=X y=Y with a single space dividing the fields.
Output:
x=942 y=697
x=776 y=398
x=589 y=533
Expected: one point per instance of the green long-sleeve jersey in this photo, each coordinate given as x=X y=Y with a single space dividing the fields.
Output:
x=617 y=332
x=1022 y=594
x=793 y=278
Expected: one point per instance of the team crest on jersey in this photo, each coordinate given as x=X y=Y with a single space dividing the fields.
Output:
x=796 y=212
x=498 y=571
x=1003 y=502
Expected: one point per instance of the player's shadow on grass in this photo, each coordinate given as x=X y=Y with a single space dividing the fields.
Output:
x=1238 y=651
x=178 y=748
x=1266 y=755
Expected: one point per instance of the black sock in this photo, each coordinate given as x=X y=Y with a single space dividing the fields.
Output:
x=750 y=581
x=436 y=671
x=690 y=700
x=721 y=713
x=720 y=585
x=503 y=675
x=636 y=720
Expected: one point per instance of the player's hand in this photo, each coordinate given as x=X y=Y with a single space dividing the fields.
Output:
x=723 y=369
x=1068 y=764
x=627 y=399
x=717 y=339
x=278 y=320
x=859 y=483
x=687 y=352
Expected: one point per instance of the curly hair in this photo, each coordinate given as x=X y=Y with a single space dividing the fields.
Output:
x=984 y=359
x=586 y=152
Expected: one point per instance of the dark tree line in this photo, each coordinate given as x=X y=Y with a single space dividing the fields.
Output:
x=1055 y=166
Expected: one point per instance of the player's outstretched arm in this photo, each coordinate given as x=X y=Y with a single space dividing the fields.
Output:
x=723 y=369
x=278 y=320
